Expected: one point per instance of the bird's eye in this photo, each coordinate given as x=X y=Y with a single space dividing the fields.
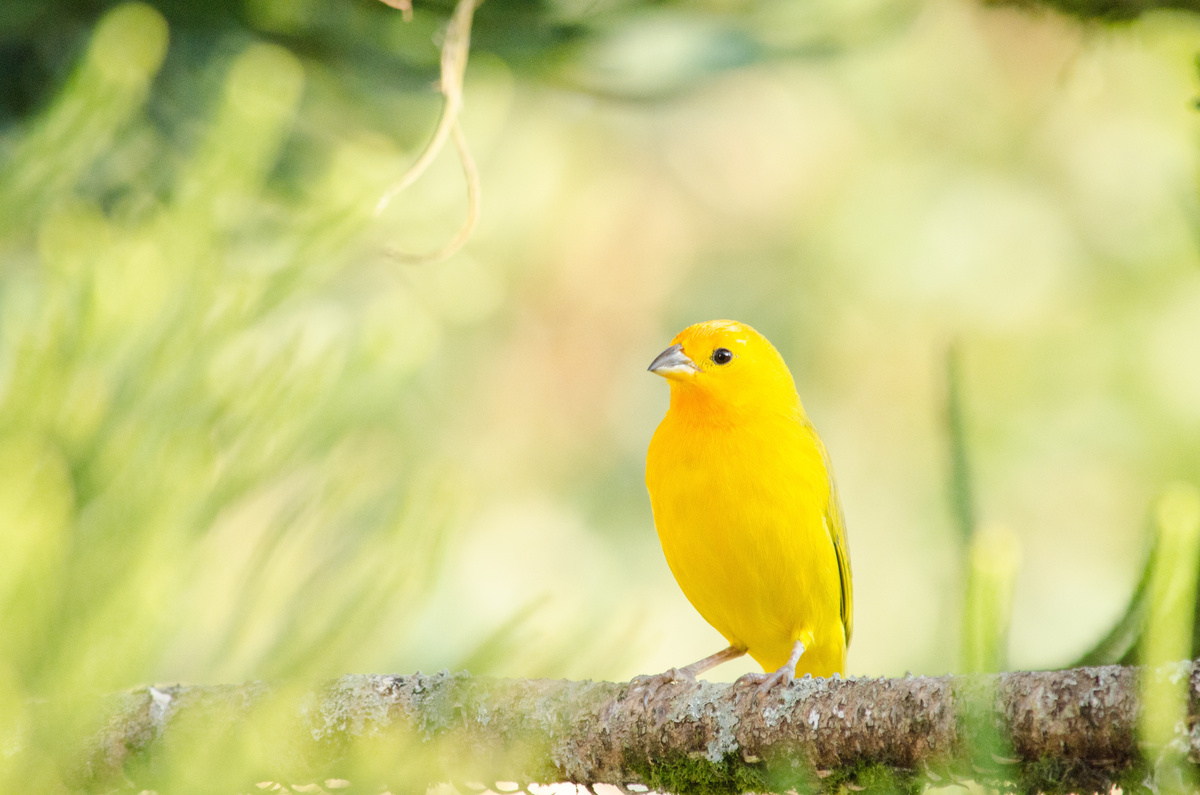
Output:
x=722 y=356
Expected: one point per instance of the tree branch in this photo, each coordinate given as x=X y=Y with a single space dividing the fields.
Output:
x=1108 y=10
x=1052 y=731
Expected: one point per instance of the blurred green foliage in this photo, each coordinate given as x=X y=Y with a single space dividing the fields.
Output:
x=204 y=468
x=237 y=440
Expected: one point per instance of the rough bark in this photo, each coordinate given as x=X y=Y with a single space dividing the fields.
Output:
x=1053 y=731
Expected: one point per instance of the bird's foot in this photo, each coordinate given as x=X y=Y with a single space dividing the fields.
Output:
x=649 y=685
x=785 y=673
x=767 y=681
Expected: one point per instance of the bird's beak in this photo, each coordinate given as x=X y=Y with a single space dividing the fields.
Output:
x=673 y=362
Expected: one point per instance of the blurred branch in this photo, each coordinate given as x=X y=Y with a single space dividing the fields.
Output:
x=1109 y=10
x=1062 y=731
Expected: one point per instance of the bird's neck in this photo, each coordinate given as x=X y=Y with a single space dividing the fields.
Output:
x=700 y=407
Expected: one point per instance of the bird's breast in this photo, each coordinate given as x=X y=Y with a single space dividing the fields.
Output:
x=740 y=514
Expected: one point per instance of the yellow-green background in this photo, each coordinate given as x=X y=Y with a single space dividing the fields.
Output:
x=238 y=441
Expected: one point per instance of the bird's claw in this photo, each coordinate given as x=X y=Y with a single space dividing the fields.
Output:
x=650 y=684
x=767 y=682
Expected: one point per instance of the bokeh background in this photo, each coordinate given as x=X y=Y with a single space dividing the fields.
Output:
x=239 y=440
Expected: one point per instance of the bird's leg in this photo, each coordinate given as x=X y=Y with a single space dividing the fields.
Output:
x=651 y=683
x=786 y=673
x=690 y=672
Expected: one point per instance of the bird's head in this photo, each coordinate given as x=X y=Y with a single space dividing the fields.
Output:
x=723 y=363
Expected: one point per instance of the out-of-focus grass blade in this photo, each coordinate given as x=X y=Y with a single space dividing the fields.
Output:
x=962 y=498
x=1171 y=616
x=992 y=554
x=1124 y=642
x=1120 y=644
x=994 y=560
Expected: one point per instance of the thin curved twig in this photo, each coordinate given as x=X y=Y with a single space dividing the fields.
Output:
x=403 y=6
x=455 y=50
x=471 y=172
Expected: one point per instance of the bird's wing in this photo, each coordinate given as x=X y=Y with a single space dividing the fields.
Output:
x=835 y=525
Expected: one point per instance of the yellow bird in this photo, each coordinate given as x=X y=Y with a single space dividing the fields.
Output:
x=746 y=507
